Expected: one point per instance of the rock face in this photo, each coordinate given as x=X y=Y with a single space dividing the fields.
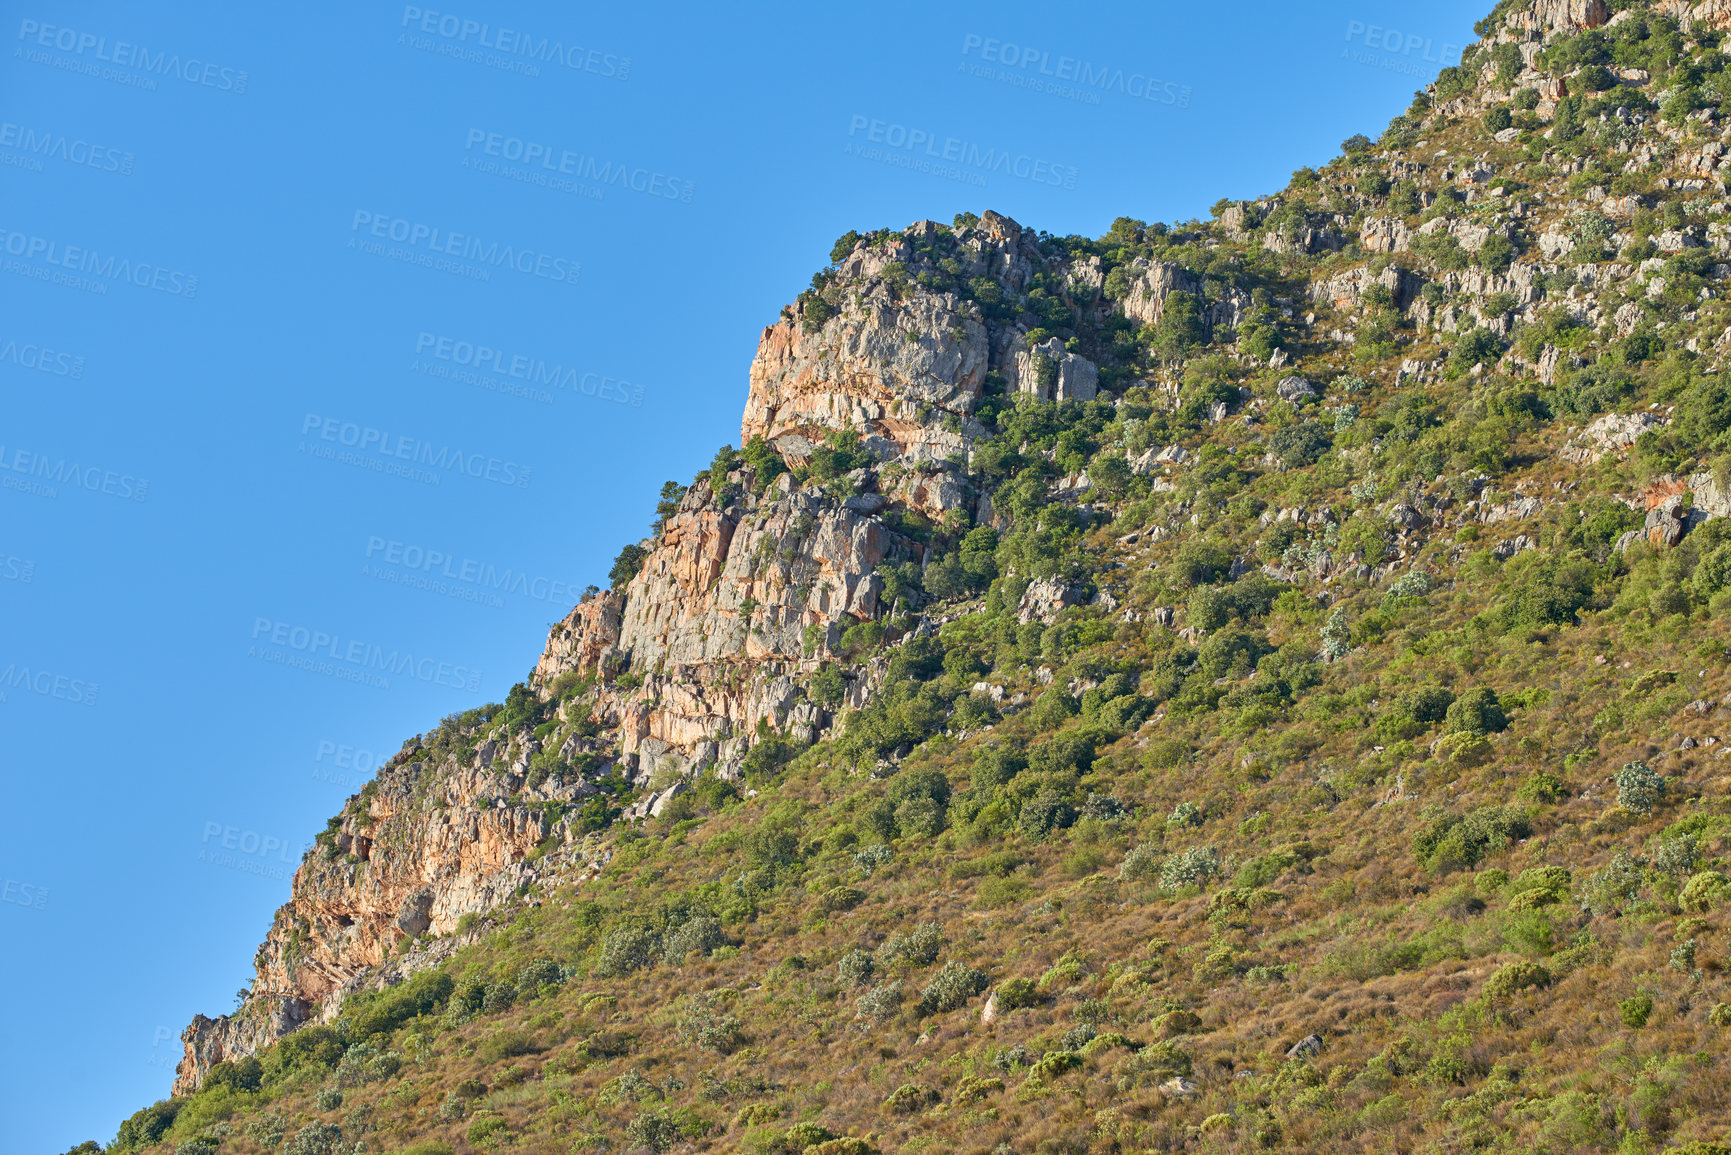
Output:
x=1156 y=281
x=740 y=596
x=1612 y=433
x=1051 y=373
x=893 y=369
x=427 y=845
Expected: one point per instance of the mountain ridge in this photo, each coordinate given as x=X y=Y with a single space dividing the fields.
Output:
x=1214 y=531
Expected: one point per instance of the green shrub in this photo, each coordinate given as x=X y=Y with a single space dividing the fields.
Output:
x=315 y=1139
x=1014 y=993
x=1704 y=891
x=1478 y=711
x=1154 y=1063
x=1516 y=977
x=910 y=1097
x=951 y=988
x=844 y=1145
x=1193 y=867
x=917 y=948
x=856 y=968
x=1639 y=787
x=882 y=1003
x=972 y=1088
x=1054 y=1064
x=1541 y=786
x=507 y=1044
x=1457 y=841
x=1635 y=1011
x=627 y=947
x=384 y=1011
x=701 y=933
x=242 y=1074
x=1142 y=864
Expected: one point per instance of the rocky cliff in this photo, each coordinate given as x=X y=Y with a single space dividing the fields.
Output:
x=741 y=595
x=1224 y=637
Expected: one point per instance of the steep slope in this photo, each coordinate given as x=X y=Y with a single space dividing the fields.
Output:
x=1243 y=685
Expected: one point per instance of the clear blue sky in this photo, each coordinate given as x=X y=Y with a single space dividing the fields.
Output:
x=203 y=481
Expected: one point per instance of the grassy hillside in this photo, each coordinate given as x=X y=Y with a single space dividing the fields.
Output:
x=1370 y=798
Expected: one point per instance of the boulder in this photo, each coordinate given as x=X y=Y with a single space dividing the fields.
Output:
x=1612 y=433
x=1045 y=597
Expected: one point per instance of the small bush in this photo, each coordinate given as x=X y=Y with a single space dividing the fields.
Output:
x=844 y=1145
x=1014 y=993
x=882 y=1003
x=1516 y=977
x=1185 y=814
x=1476 y=712
x=1054 y=1064
x=315 y=1139
x=910 y=1097
x=856 y=968
x=1142 y=864
x=972 y=1088
x=1635 y=1011
x=1639 y=787
x=507 y=1044
x=1191 y=868
x=652 y=1129
x=840 y=898
x=701 y=934
x=627 y=948
x=919 y=947
x=952 y=987
x=1704 y=891
x=490 y=1131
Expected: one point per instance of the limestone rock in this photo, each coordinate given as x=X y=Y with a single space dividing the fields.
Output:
x=1612 y=433
x=1052 y=373
x=1044 y=598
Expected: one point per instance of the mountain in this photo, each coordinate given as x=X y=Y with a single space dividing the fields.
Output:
x=1254 y=684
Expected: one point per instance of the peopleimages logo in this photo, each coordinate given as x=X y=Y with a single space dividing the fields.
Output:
x=91 y=50
x=1392 y=49
x=432 y=569
x=356 y=660
x=64 y=472
x=1066 y=76
x=429 y=246
x=248 y=851
x=553 y=163
x=498 y=369
x=933 y=153
x=30 y=355
x=518 y=51
x=380 y=450
x=25 y=894
x=34 y=147
x=29 y=247
x=48 y=684
x=346 y=765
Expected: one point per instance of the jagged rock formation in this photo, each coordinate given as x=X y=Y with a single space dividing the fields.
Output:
x=747 y=589
x=742 y=592
x=428 y=842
